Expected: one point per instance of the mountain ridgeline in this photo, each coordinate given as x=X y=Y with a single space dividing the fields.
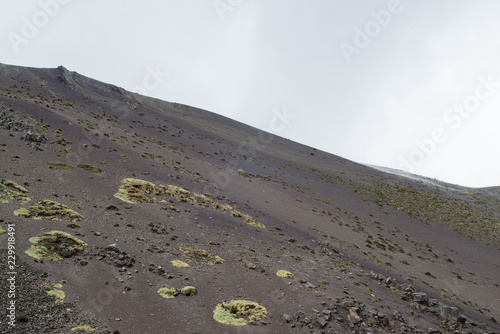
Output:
x=136 y=215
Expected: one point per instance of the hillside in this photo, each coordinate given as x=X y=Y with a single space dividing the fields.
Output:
x=136 y=215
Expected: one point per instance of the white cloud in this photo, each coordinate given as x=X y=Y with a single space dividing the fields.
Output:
x=271 y=54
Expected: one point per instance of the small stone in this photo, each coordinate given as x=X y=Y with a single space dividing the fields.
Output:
x=320 y=322
x=260 y=269
x=433 y=302
x=353 y=317
x=119 y=264
x=84 y=262
x=113 y=248
x=287 y=318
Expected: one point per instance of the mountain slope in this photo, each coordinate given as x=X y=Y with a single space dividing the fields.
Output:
x=168 y=182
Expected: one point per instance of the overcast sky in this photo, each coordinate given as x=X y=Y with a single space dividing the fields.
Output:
x=413 y=85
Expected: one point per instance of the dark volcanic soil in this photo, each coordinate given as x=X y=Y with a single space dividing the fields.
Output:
x=369 y=251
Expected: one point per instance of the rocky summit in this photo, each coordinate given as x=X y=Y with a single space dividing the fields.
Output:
x=127 y=214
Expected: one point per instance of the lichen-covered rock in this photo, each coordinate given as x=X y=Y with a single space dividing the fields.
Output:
x=54 y=246
x=239 y=312
x=49 y=210
x=136 y=191
x=54 y=290
x=166 y=292
x=85 y=328
x=201 y=256
x=179 y=264
x=89 y=168
x=139 y=191
x=60 y=166
x=284 y=274
x=12 y=190
x=188 y=290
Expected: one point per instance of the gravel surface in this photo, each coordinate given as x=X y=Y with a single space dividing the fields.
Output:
x=36 y=311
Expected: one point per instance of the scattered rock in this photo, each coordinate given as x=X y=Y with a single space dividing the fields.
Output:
x=287 y=318
x=320 y=322
x=113 y=248
x=449 y=313
x=421 y=298
x=353 y=317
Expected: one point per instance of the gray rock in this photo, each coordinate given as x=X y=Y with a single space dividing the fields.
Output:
x=353 y=317
x=113 y=248
x=287 y=318
x=119 y=264
x=421 y=298
x=448 y=312
x=399 y=316
x=320 y=322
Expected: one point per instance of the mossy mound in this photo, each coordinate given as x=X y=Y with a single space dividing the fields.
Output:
x=241 y=172
x=188 y=290
x=61 y=166
x=178 y=263
x=284 y=274
x=55 y=291
x=13 y=191
x=54 y=246
x=49 y=210
x=201 y=256
x=89 y=168
x=85 y=328
x=166 y=292
x=139 y=191
x=239 y=312
x=2 y=230
x=136 y=191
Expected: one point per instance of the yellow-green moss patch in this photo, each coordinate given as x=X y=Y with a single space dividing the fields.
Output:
x=179 y=264
x=85 y=328
x=201 y=256
x=54 y=246
x=136 y=191
x=55 y=291
x=61 y=166
x=89 y=168
x=49 y=210
x=239 y=312
x=13 y=191
x=140 y=191
x=166 y=292
x=188 y=290
x=2 y=230
x=284 y=274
